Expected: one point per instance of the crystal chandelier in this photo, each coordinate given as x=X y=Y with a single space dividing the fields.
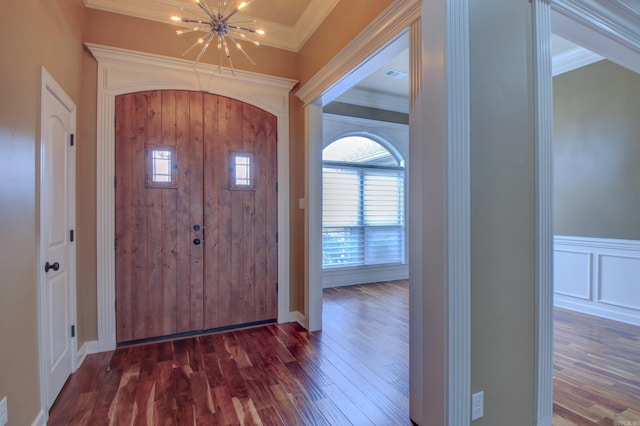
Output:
x=217 y=27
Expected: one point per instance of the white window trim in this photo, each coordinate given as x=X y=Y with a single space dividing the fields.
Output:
x=395 y=138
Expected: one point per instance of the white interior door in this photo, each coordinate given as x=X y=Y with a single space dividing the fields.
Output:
x=57 y=219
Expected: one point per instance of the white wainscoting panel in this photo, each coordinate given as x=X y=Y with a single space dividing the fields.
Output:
x=572 y=273
x=620 y=281
x=598 y=276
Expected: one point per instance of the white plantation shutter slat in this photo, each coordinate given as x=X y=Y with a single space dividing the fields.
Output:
x=363 y=216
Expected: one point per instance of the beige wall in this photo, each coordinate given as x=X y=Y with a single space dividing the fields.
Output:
x=32 y=34
x=597 y=152
x=502 y=211
x=347 y=19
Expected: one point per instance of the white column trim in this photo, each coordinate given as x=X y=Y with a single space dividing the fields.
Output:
x=543 y=93
x=440 y=211
x=414 y=203
x=123 y=71
x=459 y=212
x=313 y=216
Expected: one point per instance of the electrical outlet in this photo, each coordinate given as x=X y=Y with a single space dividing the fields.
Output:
x=4 y=415
x=477 y=405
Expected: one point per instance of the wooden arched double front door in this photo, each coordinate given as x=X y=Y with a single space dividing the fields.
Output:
x=196 y=214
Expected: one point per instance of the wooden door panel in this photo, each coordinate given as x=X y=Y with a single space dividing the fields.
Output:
x=235 y=262
x=155 y=223
x=189 y=211
x=168 y=299
x=196 y=206
x=271 y=217
x=131 y=219
x=218 y=230
x=214 y=172
x=124 y=224
x=166 y=283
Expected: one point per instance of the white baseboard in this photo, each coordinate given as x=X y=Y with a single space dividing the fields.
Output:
x=298 y=317
x=342 y=277
x=561 y=301
x=90 y=347
x=598 y=276
x=40 y=420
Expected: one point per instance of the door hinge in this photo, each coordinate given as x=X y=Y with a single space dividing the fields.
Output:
x=276 y=237
x=115 y=243
x=71 y=137
x=115 y=181
x=277 y=287
x=115 y=305
x=71 y=235
x=276 y=186
x=73 y=331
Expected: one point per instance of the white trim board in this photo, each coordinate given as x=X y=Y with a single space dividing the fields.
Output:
x=87 y=348
x=573 y=59
x=123 y=71
x=598 y=276
x=342 y=277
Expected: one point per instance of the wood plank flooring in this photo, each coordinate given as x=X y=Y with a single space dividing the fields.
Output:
x=596 y=371
x=353 y=372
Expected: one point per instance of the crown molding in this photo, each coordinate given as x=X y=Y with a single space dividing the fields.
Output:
x=278 y=35
x=311 y=19
x=573 y=59
x=611 y=18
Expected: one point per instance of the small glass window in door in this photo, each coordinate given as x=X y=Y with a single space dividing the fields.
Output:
x=241 y=171
x=161 y=167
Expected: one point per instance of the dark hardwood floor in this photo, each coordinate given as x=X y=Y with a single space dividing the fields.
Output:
x=596 y=371
x=353 y=372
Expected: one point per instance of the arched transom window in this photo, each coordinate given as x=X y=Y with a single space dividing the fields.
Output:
x=363 y=208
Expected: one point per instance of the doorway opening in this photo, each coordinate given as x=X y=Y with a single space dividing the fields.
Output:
x=374 y=106
x=353 y=114
x=595 y=254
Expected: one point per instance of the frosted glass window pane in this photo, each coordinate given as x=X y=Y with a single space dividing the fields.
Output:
x=161 y=161
x=243 y=170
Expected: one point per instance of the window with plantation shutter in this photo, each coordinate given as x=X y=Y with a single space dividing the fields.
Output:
x=363 y=205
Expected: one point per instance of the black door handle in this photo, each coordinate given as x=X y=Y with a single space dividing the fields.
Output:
x=48 y=266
